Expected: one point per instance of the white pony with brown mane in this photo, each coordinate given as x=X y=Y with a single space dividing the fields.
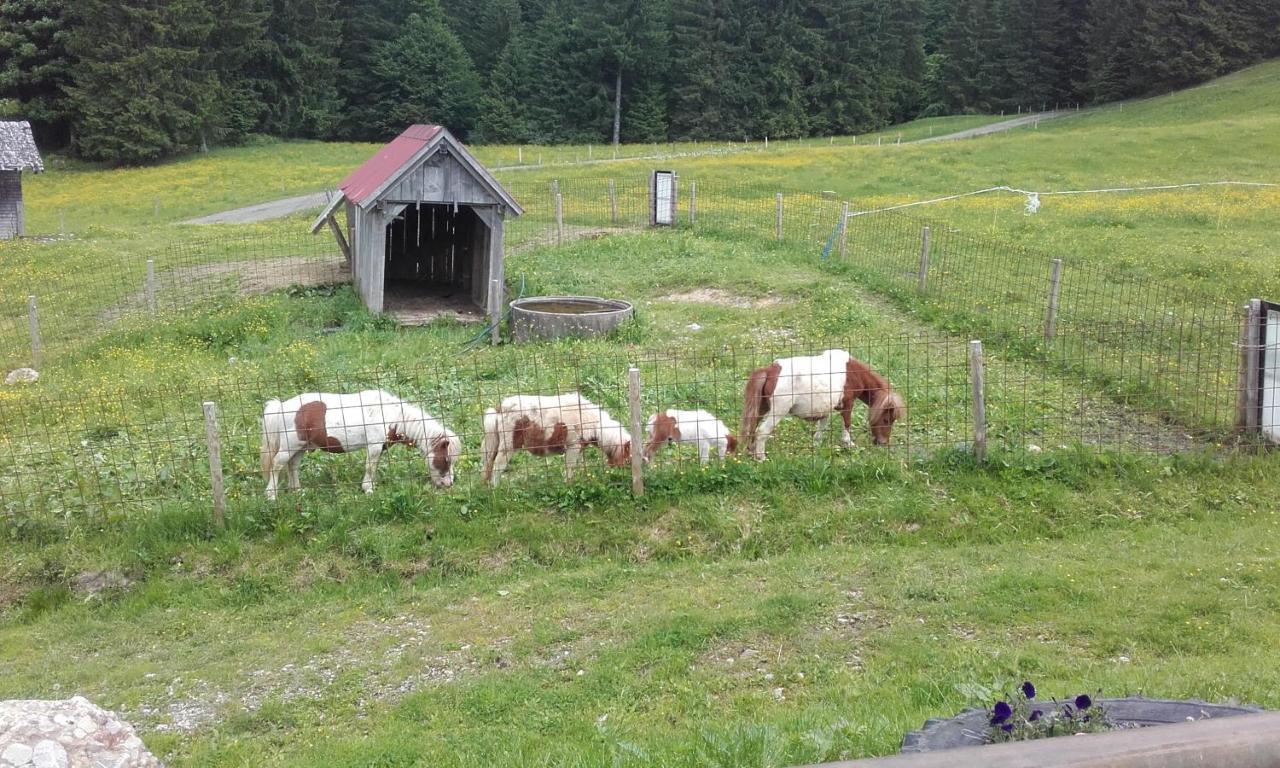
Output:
x=699 y=428
x=550 y=424
x=371 y=420
x=814 y=388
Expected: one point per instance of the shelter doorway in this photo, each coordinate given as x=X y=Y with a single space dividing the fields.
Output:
x=435 y=263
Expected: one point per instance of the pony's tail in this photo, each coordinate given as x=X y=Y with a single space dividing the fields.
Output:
x=755 y=403
x=272 y=426
x=491 y=440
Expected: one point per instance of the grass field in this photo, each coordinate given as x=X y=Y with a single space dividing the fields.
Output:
x=815 y=607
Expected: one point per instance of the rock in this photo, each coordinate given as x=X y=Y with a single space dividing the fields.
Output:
x=93 y=583
x=65 y=733
x=22 y=376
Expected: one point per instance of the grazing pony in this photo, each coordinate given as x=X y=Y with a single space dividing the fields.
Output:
x=373 y=419
x=543 y=425
x=812 y=388
x=672 y=426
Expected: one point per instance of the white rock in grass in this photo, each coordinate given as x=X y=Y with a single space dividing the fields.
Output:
x=1033 y=448
x=22 y=376
x=71 y=732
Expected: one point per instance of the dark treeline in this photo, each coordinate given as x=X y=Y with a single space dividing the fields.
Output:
x=128 y=81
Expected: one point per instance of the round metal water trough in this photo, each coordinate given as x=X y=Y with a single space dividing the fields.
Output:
x=552 y=317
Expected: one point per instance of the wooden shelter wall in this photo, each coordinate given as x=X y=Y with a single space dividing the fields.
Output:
x=11 y=223
x=435 y=245
x=441 y=179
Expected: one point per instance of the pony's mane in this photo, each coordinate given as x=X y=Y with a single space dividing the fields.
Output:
x=417 y=424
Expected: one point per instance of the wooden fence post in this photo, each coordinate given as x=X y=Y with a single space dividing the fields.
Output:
x=637 y=437
x=777 y=226
x=151 y=286
x=1247 y=411
x=495 y=298
x=977 y=378
x=519 y=155
x=33 y=322
x=844 y=227
x=613 y=203
x=215 y=465
x=1051 y=313
x=693 y=203
x=559 y=219
x=922 y=273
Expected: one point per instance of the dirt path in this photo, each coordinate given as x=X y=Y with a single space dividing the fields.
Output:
x=288 y=206
x=1003 y=125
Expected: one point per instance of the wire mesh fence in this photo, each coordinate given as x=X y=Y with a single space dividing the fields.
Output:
x=1078 y=354
x=1172 y=345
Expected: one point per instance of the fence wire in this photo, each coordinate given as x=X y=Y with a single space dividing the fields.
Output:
x=1130 y=363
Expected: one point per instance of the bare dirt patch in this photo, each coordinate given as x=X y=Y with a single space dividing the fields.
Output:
x=178 y=287
x=722 y=298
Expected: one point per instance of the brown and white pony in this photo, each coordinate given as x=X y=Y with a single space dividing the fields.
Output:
x=373 y=419
x=813 y=388
x=543 y=425
x=692 y=427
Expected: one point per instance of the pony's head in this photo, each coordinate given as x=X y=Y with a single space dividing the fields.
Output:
x=614 y=440
x=663 y=430
x=886 y=408
x=441 y=452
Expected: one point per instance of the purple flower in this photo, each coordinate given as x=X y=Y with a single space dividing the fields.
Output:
x=1035 y=715
x=1083 y=701
x=1028 y=690
x=1007 y=727
x=1001 y=712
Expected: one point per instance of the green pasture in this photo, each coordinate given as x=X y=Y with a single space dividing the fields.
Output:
x=813 y=607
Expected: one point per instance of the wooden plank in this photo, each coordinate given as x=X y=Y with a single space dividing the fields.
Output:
x=777 y=226
x=977 y=378
x=151 y=286
x=1251 y=350
x=844 y=227
x=922 y=272
x=216 y=480
x=342 y=241
x=33 y=325
x=613 y=204
x=637 y=437
x=1051 y=312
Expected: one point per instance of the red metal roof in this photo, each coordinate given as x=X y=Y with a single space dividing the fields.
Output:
x=377 y=170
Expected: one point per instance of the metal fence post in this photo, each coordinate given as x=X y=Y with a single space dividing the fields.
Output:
x=637 y=445
x=693 y=203
x=613 y=203
x=559 y=219
x=844 y=227
x=978 y=379
x=33 y=322
x=151 y=286
x=1051 y=314
x=215 y=465
x=922 y=274
x=777 y=227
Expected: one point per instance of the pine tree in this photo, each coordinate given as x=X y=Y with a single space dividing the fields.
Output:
x=617 y=38
x=35 y=65
x=502 y=117
x=300 y=97
x=424 y=76
x=141 y=88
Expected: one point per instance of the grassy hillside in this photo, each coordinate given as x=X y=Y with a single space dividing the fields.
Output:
x=812 y=608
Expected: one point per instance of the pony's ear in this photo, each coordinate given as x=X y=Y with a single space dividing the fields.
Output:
x=887 y=408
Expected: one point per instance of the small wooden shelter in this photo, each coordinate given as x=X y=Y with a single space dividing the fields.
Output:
x=424 y=220
x=17 y=154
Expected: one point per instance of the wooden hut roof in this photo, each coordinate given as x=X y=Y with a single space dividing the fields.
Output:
x=18 y=148
x=406 y=151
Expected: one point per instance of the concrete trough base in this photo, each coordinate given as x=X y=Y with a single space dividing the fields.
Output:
x=553 y=317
